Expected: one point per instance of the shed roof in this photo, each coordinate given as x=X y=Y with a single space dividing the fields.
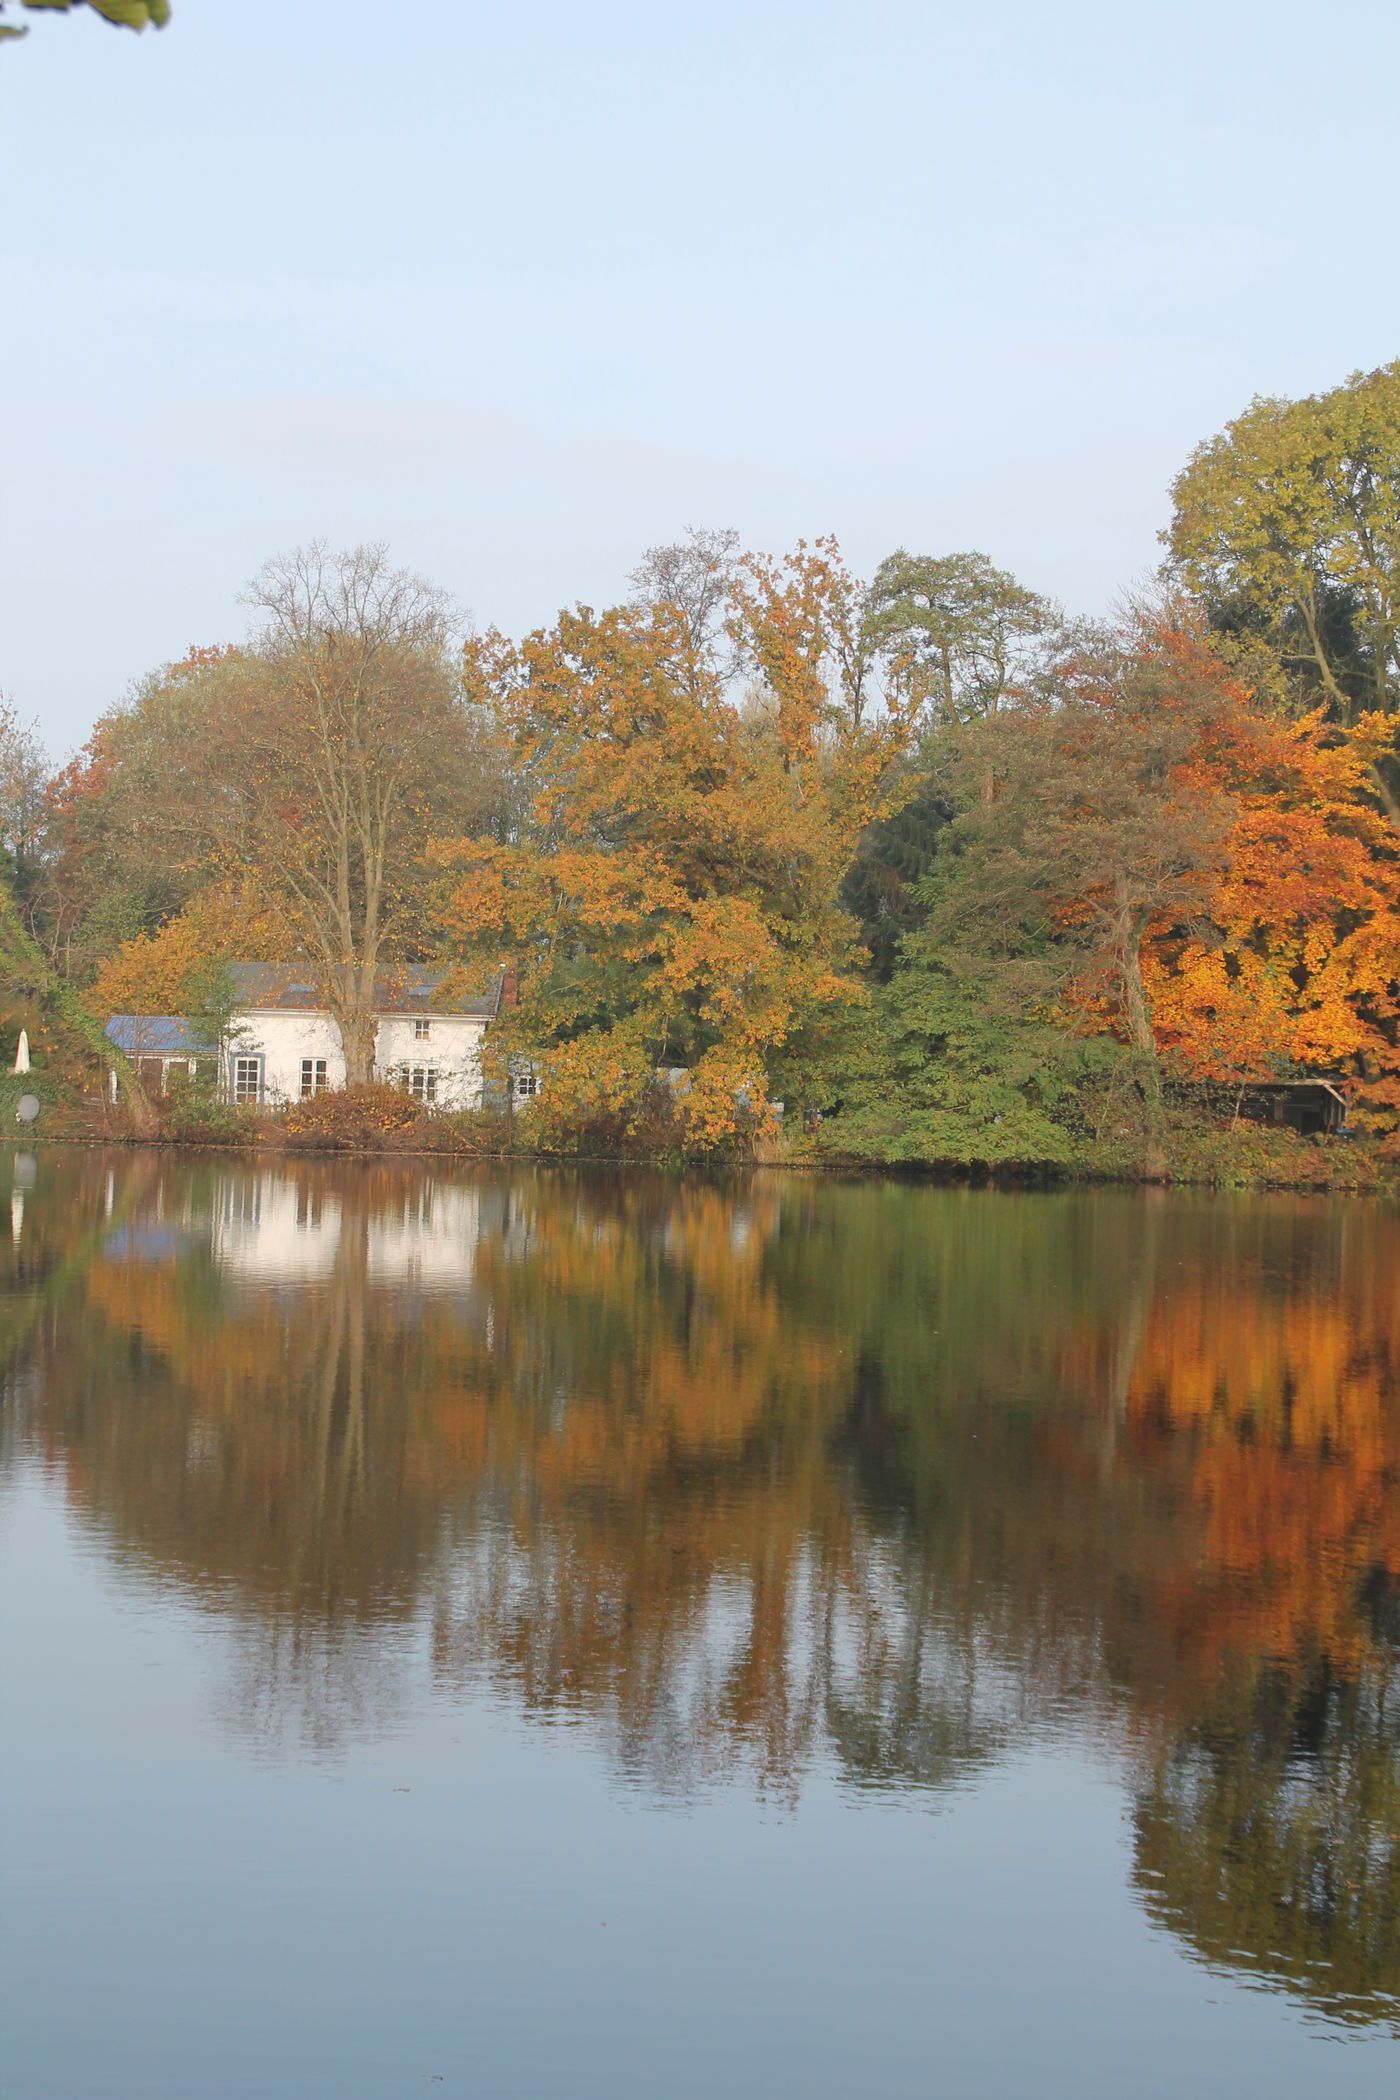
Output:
x=399 y=988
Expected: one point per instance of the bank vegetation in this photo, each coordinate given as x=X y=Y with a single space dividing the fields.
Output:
x=914 y=871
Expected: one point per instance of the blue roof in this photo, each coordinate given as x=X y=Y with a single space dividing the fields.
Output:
x=157 y=1035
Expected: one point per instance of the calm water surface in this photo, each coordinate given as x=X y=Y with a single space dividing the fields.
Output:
x=584 y=1635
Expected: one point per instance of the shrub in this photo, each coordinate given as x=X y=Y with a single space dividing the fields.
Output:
x=194 y=1117
x=45 y=1088
x=354 y=1119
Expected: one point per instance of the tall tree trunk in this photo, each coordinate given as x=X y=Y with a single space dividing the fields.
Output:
x=358 y=1027
x=1139 y=1019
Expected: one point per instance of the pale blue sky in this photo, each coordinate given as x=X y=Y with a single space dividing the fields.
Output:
x=523 y=289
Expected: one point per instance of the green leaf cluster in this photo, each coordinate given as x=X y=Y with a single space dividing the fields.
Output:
x=1287 y=527
x=957 y=1062
x=123 y=14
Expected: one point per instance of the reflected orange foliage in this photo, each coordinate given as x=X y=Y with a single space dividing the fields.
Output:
x=1290 y=1411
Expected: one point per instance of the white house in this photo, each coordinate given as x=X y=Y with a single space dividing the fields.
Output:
x=283 y=1044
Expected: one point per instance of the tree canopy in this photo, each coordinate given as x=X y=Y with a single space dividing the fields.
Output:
x=122 y=14
x=1288 y=525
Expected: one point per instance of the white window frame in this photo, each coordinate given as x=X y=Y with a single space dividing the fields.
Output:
x=422 y=1029
x=313 y=1079
x=525 y=1085
x=240 y=1065
x=422 y=1082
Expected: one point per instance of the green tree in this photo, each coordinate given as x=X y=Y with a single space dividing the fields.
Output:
x=967 y=631
x=27 y=975
x=959 y=1061
x=962 y=639
x=1084 y=819
x=24 y=779
x=882 y=887
x=1287 y=525
x=123 y=14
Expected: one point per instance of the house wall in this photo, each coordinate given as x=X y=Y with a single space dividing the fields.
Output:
x=453 y=1048
x=283 y=1038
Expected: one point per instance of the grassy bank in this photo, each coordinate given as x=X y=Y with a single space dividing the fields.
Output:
x=379 y=1121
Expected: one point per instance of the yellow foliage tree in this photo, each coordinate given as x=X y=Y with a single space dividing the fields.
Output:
x=674 y=899
x=158 y=972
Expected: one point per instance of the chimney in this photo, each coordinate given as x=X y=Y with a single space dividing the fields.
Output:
x=510 y=985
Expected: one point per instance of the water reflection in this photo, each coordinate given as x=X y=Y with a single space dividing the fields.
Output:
x=746 y=1478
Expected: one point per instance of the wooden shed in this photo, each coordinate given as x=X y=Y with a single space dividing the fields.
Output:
x=1316 y=1107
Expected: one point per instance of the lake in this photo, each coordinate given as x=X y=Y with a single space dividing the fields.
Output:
x=569 y=1633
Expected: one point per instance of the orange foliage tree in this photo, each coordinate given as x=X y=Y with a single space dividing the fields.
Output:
x=161 y=972
x=674 y=896
x=1214 y=883
x=1292 y=960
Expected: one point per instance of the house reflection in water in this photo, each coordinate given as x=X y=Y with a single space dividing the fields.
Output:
x=275 y=1228
x=269 y=1228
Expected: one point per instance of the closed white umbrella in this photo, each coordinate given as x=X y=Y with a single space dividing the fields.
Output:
x=22 y=1054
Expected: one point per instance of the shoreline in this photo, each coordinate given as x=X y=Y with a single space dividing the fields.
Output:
x=1381 y=1181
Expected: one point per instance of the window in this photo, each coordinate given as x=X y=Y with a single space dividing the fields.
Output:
x=527 y=1085
x=247 y=1079
x=421 y=1030
x=313 y=1076
x=421 y=1081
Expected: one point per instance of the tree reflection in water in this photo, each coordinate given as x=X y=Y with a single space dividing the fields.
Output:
x=749 y=1476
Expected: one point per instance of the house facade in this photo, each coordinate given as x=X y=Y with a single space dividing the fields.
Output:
x=282 y=1044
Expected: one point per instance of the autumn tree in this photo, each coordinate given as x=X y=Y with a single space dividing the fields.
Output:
x=127 y=828
x=284 y=791
x=694 y=576
x=1291 y=961
x=673 y=896
x=341 y=722
x=161 y=971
